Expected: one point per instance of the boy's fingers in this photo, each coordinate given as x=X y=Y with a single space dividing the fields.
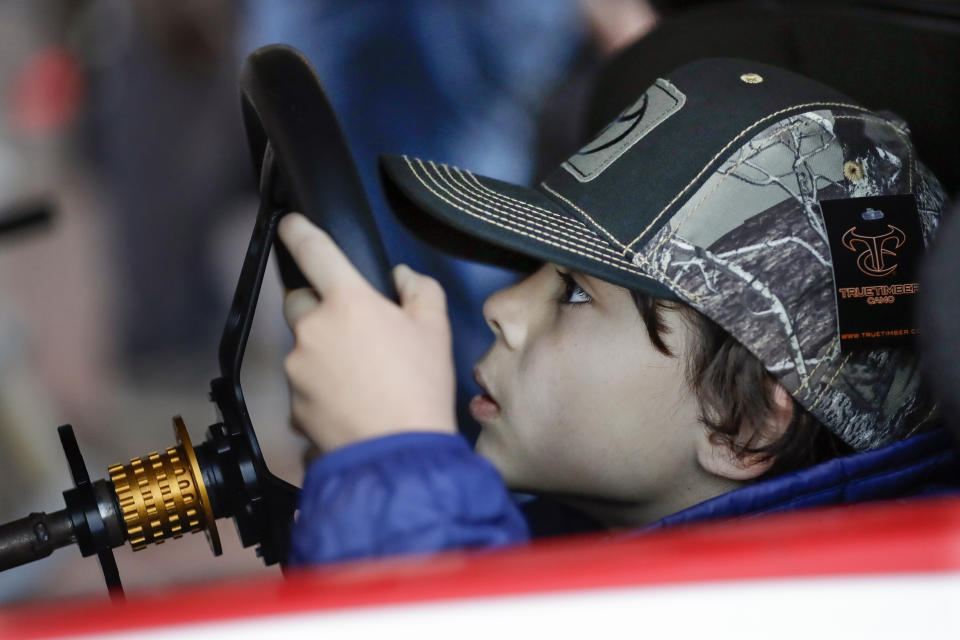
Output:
x=297 y=303
x=421 y=296
x=320 y=259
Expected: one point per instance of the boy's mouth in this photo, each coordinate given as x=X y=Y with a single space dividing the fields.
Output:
x=483 y=407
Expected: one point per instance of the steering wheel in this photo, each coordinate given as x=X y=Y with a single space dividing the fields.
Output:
x=301 y=164
x=302 y=161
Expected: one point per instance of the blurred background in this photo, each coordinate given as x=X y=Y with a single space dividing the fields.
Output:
x=123 y=117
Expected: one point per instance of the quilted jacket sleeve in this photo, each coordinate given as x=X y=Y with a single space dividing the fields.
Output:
x=404 y=493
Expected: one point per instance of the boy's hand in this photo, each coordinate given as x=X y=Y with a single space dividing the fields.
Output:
x=363 y=366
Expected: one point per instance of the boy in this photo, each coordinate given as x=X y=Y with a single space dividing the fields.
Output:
x=747 y=213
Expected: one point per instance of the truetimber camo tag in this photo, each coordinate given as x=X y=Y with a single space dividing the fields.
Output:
x=875 y=244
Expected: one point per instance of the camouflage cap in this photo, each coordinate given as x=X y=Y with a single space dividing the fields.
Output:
x=707 y=190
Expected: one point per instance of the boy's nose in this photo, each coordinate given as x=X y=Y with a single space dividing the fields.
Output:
x=504 y=313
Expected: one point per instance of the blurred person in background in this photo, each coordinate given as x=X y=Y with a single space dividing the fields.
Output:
x=54 y=327
x=55 y=317
x=127 y=114
x=167 y=137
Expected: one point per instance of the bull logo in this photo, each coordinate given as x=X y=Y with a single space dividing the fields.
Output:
x=873 y=249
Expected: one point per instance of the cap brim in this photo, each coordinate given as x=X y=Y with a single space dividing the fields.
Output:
x=500 y=223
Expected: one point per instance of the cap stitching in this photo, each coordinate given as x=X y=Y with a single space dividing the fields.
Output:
x=471 y=193
x=824 y=360
x=720 y=182
x=537 y=238
x=466 y=196
x=587 y=216
x=559 y=243
x=626 y=250
x=903 y=138
x=505 y=215
x=761 y=288
x=830 y=383
x=527 y=206
x=667 y=237
x=582 y=234
x=532 y=208
x=755 y=152
x=727 y=147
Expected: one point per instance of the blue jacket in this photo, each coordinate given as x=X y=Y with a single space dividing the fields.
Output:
x=420 y=492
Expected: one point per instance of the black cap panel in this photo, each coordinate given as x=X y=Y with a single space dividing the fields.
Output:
x=725 y=101
x=500 y=223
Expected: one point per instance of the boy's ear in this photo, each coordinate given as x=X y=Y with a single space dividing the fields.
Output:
x=718 y=455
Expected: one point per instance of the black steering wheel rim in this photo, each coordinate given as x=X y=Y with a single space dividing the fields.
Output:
x=286 y=111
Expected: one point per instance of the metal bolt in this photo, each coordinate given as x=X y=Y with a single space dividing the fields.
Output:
x=852 y=171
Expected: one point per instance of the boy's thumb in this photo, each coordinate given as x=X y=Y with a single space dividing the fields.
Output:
x=420 y=295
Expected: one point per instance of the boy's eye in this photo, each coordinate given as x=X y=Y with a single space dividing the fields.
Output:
x=572 y=292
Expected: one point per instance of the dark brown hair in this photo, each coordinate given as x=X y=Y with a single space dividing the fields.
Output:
x=734 y=388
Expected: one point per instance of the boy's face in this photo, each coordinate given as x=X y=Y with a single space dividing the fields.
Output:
x=579 y=401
